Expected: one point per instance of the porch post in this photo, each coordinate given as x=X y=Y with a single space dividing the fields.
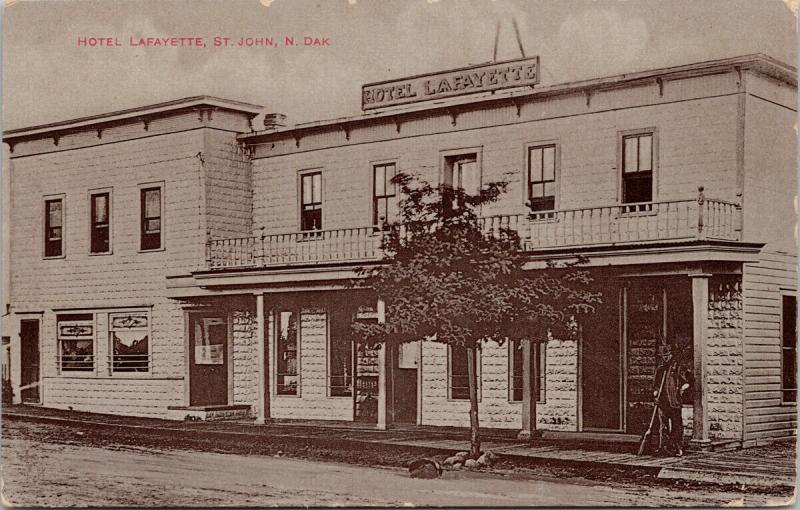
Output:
x=382 y=397
x=528 y=405
x=261 y=407
x=700 y=437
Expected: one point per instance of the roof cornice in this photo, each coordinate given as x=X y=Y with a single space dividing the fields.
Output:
x=149 y=111
x=758 y=62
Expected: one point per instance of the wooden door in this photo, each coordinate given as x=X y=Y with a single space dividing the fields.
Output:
x=404 y=382
x=29 y=354
x=601 y=366
x=208 y=360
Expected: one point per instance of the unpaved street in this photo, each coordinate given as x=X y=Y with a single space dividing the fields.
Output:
x=45 y=473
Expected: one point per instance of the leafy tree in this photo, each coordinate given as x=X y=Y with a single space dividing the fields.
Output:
x=447 y=279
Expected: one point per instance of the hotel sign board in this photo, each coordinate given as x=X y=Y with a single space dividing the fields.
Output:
x=466 y=80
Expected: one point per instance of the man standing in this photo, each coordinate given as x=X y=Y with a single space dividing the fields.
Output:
x=670 y=400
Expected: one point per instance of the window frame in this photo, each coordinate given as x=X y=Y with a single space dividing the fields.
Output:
x=373 y=212
x=652 y=131
x=300 y=175
x=446 y=157
x=110 y=353
x=542 y=397
x=526 y=165
x=143 y=187
x=110 y=213
x=479 y=373
x=59 y=341
x=275 y=350
x=785 y=293
x=45 y=221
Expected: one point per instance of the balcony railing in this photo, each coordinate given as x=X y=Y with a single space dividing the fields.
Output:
x=677 y=220
x=623 y=224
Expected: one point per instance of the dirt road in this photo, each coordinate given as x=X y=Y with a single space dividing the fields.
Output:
x=51 y=473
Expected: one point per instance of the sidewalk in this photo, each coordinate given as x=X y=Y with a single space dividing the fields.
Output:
x=766 y=466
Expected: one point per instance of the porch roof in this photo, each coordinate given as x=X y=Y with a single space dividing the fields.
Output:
x=682 y=257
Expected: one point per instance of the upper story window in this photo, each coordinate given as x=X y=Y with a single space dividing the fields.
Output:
x=311 y=201
x=789 y=348
x=54 y=227
x=637 y=168
x=151 y=228
x=100 y=222
x=287 y=369
x=75 y=333
x=462 y=172
x=384 y=205
x=129 y=333
x=542 y=178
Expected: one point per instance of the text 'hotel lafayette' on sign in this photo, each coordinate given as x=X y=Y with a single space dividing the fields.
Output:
x=467 y=80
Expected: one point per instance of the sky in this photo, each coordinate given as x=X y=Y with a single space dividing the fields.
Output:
x=48 y=76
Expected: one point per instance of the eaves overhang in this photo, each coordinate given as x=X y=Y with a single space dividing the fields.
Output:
x=342 y=275
x=758 y=62
x=142 y=112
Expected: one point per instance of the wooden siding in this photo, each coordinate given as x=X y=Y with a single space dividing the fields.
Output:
x=765 y=416
x=122 y=158
x=695 y=123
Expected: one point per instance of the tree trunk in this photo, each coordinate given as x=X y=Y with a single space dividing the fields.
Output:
x=475 y=438
x=534 y=374
x=530 y=390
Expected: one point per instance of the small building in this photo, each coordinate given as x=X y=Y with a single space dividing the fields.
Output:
x=172 y=260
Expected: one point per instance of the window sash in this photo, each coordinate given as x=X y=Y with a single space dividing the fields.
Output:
x=100 y=222
x=100 y=209
x=467 y=176
x=462 y=172
x=637 y=153
x=311 y=185
x=637 y=187
x=54 y=228
x=151 y=218
x=637 y=168
x=542 y=177
x=383 y=207
x=311 y=218
x=311 y=201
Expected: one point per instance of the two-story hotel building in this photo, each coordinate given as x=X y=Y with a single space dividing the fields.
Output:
x=172 y=260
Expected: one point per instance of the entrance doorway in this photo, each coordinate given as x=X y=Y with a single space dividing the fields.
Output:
x=29 y=354
x=658 y=313
x=208 y=360
x=405 y=364
x=601 y=362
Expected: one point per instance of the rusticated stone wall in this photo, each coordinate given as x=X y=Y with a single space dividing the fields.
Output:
x=245 y=356
x=724 y=368
x=560 y=411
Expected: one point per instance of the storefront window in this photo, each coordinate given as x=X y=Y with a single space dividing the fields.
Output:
x=129 y=335
x=287 y=371
x=341 y=359
x=76 y=342
x=458 y=377
x=515 y=351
